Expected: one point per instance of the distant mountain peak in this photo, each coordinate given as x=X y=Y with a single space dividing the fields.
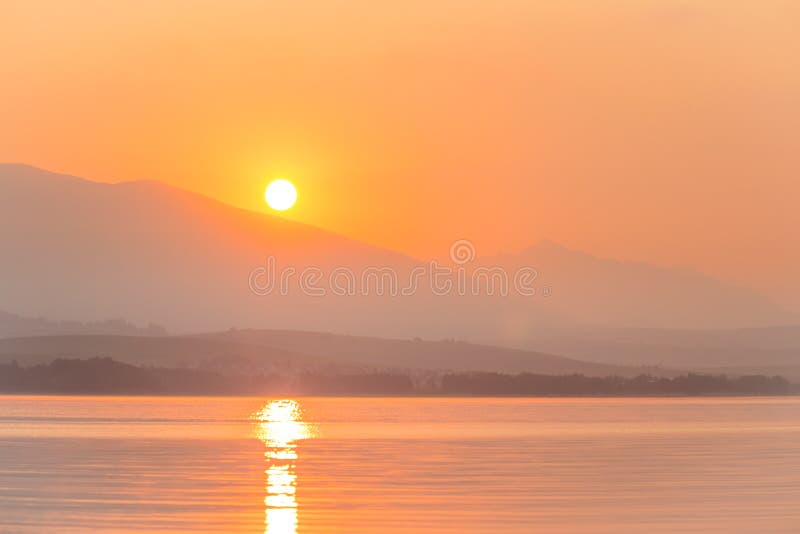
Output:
x=549 y=247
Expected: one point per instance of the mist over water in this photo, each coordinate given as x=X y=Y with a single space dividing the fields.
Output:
x=72 y=464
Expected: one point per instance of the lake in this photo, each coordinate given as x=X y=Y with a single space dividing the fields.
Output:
x=280 y=466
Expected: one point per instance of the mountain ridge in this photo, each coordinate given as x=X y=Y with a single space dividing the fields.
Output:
x=152 y=252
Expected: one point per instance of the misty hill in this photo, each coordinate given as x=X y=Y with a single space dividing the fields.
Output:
x=83 y=250
x=16 y=326
x=607 y=292
x=769 y=350
x=80 y=250
x=292 y=351
x=157 y=351
x=415 y=353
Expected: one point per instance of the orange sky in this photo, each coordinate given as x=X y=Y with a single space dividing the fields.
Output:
x=659 y=130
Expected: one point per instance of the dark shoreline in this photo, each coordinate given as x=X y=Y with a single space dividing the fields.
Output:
x=107 y=377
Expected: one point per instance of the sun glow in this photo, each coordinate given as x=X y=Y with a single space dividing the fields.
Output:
x=280 y=195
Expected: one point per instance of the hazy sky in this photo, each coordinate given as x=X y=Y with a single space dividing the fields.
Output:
x=665 y=131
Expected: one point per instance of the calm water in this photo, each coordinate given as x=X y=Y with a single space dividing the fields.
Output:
x=382 y=465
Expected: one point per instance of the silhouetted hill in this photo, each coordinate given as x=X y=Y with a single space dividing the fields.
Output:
x=416 y=353
x=592 y=352
x=185 y=352
x=293 y=351
x=150 y=252
x=82 y=250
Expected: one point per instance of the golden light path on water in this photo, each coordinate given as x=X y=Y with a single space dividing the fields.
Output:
x=279 y=426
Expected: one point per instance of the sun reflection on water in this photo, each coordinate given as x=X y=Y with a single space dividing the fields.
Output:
x=280 y=427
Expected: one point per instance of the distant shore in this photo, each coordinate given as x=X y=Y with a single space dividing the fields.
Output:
x=107 y=377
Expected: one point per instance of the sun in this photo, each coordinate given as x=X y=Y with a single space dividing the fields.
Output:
x=280 y=195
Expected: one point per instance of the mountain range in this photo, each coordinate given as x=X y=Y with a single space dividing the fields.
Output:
x=83 y=251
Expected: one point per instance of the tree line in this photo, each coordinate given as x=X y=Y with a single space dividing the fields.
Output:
x=110 y=377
